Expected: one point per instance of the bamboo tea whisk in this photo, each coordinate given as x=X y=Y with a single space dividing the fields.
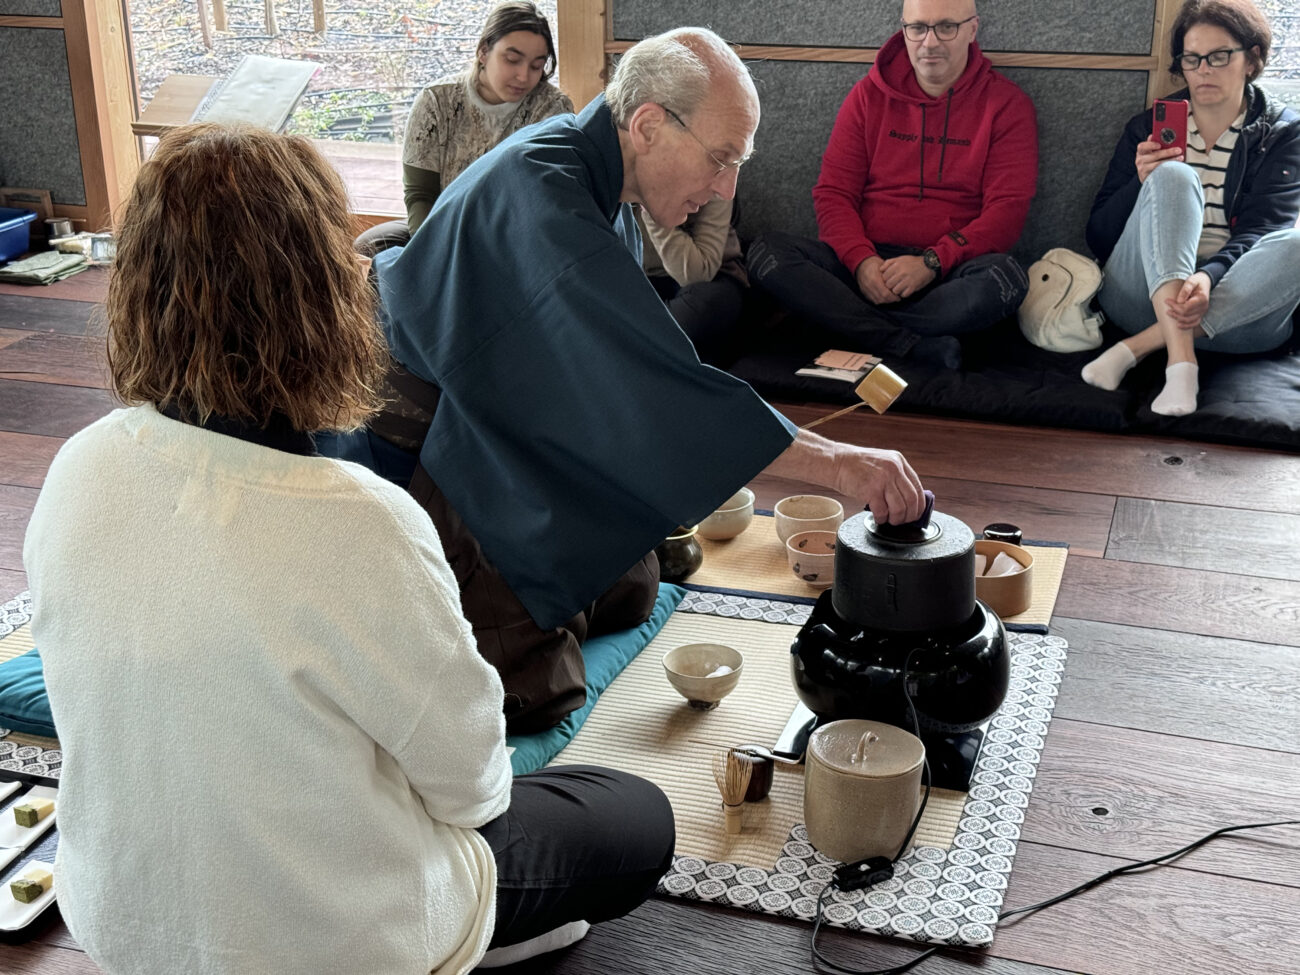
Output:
x=732 y=775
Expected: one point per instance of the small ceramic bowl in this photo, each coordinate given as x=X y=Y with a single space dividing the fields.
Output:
x=731 y=519
x=694 y=670
x=1007 y=595
x=805 y=513
x=811 y=556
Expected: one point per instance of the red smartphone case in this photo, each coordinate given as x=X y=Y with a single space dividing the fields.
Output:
x=1169 y=124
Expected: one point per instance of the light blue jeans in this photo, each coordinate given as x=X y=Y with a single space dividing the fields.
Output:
x=1250 y=308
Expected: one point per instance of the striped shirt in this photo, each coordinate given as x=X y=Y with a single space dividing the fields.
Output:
x=1211 y=166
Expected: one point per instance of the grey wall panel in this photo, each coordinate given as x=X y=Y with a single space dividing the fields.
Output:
x=800 y=100
x=1117 y=27
x=31 y=8
x=1080 y=117
x=38 y=137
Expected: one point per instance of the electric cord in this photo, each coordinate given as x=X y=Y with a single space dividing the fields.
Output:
x=1131 y=867
x=868 y=873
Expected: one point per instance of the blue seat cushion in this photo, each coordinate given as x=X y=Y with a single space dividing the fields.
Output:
x=24 y=705
x=606 y=657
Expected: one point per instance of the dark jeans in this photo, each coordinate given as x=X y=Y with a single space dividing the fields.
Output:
x=807 y=278
x=578 y=843
x=708 y=312
x=381 y=236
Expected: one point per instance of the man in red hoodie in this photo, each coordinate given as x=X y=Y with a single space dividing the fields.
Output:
x=925 y=183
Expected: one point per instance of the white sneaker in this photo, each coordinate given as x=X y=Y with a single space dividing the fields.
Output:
x=553 y=940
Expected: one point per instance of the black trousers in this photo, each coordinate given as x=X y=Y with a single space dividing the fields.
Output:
x=807 y=277
x=709 y=313
x=578 y=843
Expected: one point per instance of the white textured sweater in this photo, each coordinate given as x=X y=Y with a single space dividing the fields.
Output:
x=281 y=636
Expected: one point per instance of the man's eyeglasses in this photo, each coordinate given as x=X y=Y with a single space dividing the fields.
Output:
x=945 y=30
x=722 y=166
x=1215 y=59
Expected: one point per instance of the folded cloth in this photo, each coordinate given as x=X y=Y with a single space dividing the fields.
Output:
x=43 y=268
x=923 y=522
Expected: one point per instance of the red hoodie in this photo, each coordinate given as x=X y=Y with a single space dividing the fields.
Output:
x=955 y=173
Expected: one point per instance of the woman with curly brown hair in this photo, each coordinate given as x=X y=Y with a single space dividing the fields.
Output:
x=332 y=790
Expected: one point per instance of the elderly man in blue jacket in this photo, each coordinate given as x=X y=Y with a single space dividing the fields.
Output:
x=546 y=409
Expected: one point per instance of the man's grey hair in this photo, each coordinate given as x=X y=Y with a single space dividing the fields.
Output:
x=675 y=69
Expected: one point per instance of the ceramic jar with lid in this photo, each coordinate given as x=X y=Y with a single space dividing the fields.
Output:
x=679 y=554
x=862 y=788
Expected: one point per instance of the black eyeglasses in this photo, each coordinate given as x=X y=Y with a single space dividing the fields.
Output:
x=1215 y=59
x=945 y=30
x=722 y=166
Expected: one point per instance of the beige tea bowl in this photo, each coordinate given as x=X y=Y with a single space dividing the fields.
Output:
x=805 y=513
x=703 y=673
x=732 y=518
x=811 y=556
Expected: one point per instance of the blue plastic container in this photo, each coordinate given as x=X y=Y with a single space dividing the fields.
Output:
x=15 y=232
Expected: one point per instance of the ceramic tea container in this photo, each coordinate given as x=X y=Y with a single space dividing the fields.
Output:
x=862 y=787
x=679 y=554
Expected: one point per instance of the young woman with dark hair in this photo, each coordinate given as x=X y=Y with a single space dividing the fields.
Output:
x=459 y=118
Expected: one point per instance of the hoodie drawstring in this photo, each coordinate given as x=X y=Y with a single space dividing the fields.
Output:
x=943 y=146
x=921 y=195
x=943 y=143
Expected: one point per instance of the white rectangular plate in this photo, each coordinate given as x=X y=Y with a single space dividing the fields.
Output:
x=14 y=914
x=15 y=837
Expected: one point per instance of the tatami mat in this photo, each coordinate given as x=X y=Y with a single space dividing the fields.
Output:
x=643 y=725
x=755 y=561
x=16 y=643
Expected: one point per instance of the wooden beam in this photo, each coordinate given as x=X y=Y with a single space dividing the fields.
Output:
x=91 y=112
x=51 y=23
x=1160 y=82
x=318 y=16
x=581 y=40
x=867 y=55
x=272 y=27
x=205 y=28
x=219 y=21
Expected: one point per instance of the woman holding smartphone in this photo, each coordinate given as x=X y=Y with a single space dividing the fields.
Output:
x=1200 y=248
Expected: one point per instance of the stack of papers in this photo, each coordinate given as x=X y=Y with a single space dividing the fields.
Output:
x=44 y=268
x=845 y=367
x=260 y=91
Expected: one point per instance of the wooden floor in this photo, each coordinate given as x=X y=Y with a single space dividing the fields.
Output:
x=1180 y=710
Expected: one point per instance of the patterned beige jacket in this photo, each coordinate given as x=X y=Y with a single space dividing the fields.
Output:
x=448 y=130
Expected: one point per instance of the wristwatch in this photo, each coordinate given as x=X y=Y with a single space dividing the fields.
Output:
x=932 y=260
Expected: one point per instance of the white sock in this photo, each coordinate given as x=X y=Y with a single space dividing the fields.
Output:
x=553 y=940
x=1178 y=398
x=1109 y=368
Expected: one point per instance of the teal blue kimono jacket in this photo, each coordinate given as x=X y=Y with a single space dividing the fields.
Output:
x=576 y=426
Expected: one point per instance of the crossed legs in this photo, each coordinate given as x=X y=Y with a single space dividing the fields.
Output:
x=1249 y=310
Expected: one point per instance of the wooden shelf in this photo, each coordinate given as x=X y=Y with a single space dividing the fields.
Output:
x=174 y=104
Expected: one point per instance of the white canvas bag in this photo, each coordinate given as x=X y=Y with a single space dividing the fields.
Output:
x=1055 y=314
